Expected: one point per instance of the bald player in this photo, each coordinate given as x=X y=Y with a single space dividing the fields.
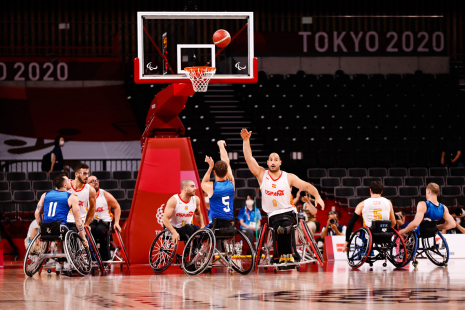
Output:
x=277 y=201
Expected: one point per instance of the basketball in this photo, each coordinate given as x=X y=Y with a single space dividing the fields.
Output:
x=221 y=38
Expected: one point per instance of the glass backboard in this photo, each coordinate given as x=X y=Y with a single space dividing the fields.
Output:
x=170 y=41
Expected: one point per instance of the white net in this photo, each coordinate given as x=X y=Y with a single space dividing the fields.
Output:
x=200 y=76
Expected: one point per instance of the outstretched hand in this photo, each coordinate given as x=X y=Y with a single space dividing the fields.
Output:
x=209 y=161
x=221 y=143
x=320 y=202
x=245 y=134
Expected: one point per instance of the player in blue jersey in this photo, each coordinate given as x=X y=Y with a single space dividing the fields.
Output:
x=55 y=206
x=220 y=192
x=430 y=210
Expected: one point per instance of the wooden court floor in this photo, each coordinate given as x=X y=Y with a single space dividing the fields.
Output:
x=334 y=286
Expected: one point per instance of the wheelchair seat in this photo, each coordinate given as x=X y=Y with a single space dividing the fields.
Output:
x=53 y=231
x=381 y=231
x=428 y=229
x=223 y=229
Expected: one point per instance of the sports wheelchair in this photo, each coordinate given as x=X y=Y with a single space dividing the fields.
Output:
x=37 y=253
x=304 y=245
x=379 y=242
x=163 y=251
x=434 y=245
x=117 y=250
x=220 y=246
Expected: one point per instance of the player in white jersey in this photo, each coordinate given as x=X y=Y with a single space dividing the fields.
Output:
x=277 y=200
x=375 y=208
x=180 y=210
x=103 y=217
x=85 y=194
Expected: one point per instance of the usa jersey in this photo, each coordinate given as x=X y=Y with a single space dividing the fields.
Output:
x=56 y=207
x=222 y=200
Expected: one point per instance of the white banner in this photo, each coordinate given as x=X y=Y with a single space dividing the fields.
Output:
x=455 y=243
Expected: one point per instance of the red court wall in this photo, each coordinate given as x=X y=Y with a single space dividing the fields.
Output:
x=165 y=163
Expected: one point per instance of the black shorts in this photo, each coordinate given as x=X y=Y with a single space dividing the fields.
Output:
x=186 y=231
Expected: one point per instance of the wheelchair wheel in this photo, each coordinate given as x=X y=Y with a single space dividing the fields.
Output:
x=397 y=254
x=360 y=244
x=198 y=252
x=411 y=244
x=77 y=254
x=242 y=262
x=162 y=252
x=264 y=248
x=123 y=248
x=308 y=234
x=93 y=249
x=436 y=249
x=32 y=260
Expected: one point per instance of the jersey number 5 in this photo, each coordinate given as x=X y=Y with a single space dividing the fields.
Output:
x=226 y=203
x=378 y=217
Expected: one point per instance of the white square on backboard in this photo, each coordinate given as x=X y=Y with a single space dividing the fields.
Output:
x=180 y=46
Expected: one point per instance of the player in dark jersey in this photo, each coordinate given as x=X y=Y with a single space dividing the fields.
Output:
x=220 y=192
x=431 y=210
x=55 y=206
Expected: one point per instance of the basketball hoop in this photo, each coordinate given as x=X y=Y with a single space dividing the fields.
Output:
x=200 y=76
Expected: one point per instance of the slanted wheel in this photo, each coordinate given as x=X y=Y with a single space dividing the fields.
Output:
x=411 y=244
x=397 y=254
x=243 y=258
x=93 y=250
x=33 y=260
x=314 y=246
x=436 y=249
x=162 y=252
x=78 y=256
x=360 y=244
x=198 y=252
x=264 y=248
x=123 y=248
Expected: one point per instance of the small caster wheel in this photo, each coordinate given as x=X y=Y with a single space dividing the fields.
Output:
x=49 y=270
x=275 y=271
x=58 y=273
x=371 y=265
x=415 y=264
x=231 y=272
x=121 y=267
x=298 y=268
x=70 y=273
x=93 y=272
x=384 y=265
x=446 y=264
x=314 y=263
x=266 y=268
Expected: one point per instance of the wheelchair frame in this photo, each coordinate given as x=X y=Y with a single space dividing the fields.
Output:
x=214 y=257
x=368 y=254
x=412 y=255
x=309 y=252
x=75 y=257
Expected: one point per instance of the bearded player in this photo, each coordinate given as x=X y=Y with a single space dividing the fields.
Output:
x=277 y=201
x=85 y=194
x=180 y=210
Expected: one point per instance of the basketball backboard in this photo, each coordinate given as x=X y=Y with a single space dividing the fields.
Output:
x=170 y=41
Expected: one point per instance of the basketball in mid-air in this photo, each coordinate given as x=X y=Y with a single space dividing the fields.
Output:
x=221 y=38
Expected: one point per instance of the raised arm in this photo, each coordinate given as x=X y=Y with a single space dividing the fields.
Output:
x=198 y=213
x=113 y=203
x=254 y=167
x=206 y=185
x=225 y=158
x=91 y=212
x=421 y=210
x=73 y=202
x=169 y=210
x=40 y=209
x=295 y=181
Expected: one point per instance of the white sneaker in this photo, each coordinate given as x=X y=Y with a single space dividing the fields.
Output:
x=58 y=266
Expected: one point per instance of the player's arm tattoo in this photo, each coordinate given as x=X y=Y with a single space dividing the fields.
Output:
x=81 y=227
